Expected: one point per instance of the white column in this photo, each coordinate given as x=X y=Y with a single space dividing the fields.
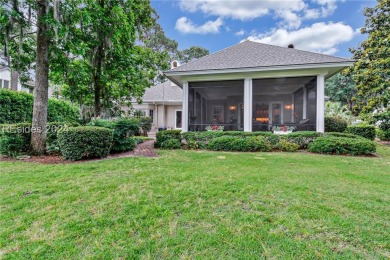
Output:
x=184 y=112
x=304 y=114
x=248 y=98
x=320 y=103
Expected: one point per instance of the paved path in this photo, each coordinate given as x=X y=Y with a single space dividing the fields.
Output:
x=146 y=149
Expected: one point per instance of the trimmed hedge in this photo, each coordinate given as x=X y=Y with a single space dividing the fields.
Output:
x=15 y=139
x=366 y=131
x=242 y=144
x=165 y=135
x=170 y=144
x=335 y=124
x=52 y=146
x=16 y=107
x=384 y=135
x=81 y=142
x=287 y=146
x=342 y=145
x=348 y=135
x=123 y=128
x=302 y=139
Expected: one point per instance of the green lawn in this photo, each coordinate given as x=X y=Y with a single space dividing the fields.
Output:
x=189 y=204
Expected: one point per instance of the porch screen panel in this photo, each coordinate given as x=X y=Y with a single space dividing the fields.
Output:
x=280 y=102
x=216 y=104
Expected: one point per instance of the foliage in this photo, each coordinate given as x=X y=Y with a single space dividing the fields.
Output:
x=383 y=135
x=145 y=124
x=287 y=146
x=16 y=107
x=283 y=128
x=335 y=124
x=302 y=139
x=236 y=143
x=337 y=110
x=170 y=144
x=107 y=52
x=141 y=139
x=371 y=71
x=337 y=134
x=381 y=118
x=15 y=139
x=192 y=53
x=165 y=135
x=342 y=145
x=341 y=89
x=52 y=146
x=123 y=128
x=210 y=128
x=366 y=131
x=81 y=142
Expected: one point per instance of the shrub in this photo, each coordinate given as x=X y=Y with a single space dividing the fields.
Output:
x=123 y=128
x=342 y=145
x=16 y=107
x=15 y=139
x=170 y=144
x=384 y=135
x=165 y=135
x=85 y=142
x=302 y=139
x=335 y=134
x=287 y=146
x=335 y=124
x=52 y=146
x=236 y=143
x=145 y=123
x=366 y=131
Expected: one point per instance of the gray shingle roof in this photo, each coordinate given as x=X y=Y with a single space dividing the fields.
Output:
x=163 y=92
x=250 y=54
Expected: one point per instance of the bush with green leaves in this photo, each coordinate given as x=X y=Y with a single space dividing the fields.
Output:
x=15 y=139
x=170 y=144
x=52 y=146
x=335 y=124
x=16 y=107
x=382 y=120
x=287 y=146
x=82 y=142
x=145 y=123
x=336 y=134
x=302 y=139
x=238 y=143
x=342 y=145
x=165 y=135
x=123 y=128
x=366 y=131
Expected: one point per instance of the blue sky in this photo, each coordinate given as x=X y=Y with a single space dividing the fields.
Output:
x=326 y=26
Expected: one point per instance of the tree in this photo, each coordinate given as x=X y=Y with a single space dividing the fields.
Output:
x=371 y=71
x=106 y=43
x=341 y=88
x=192 y=53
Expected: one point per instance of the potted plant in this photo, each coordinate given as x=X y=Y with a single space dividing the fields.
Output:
x=283 y=130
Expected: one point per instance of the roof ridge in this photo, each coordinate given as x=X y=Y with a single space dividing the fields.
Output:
x=311 y=52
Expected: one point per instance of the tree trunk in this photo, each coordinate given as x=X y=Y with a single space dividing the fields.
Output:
x=39 y=120
x=14 y=80
x=97 y=80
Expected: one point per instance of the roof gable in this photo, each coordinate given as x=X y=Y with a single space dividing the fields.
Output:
x=250 y=54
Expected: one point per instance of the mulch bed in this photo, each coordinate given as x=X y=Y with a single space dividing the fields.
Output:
x=145 y=149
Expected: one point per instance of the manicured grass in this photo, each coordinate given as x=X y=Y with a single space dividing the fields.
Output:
x=189 y=204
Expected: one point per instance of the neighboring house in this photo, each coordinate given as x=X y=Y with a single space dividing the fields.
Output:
x=163 y=103
x=5 y=80
x=250 y=86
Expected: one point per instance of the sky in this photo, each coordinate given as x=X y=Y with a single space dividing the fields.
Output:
x=325 y=26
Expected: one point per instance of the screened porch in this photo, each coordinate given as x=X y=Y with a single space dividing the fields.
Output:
x=288 y=101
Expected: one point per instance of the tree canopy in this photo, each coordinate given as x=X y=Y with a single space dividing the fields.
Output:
x=371 y=71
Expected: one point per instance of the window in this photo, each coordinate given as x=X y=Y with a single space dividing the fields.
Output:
x=151 y=113
x=218 y=114
x=1 y=83
x=6 y=83
x=178 y=119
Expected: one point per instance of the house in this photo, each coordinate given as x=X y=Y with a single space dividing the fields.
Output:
x=252 y=87
x=5 y=81
x=163 y=103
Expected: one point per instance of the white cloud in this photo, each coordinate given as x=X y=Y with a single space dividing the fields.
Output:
x=185 y=25
x=240 y=33
x=291 y=12
x=319 y=37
